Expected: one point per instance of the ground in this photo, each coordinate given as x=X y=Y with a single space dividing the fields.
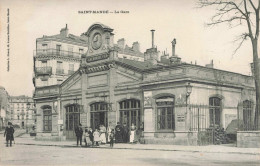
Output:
x=57 y=155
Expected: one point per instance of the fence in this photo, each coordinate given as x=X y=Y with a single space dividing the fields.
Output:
x=247 y=116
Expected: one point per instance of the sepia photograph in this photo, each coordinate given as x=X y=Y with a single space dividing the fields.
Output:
x=133 y=82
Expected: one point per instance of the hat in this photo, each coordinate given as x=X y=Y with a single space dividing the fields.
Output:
x=9 y=123
x=80 y=124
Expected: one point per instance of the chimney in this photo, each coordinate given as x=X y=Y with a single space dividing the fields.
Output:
x=136 y=47
x=211 y=65
x=152 y=38
x=173 y=47
x=64 y=31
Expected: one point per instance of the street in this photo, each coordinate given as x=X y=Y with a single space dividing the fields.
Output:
x=53 y=155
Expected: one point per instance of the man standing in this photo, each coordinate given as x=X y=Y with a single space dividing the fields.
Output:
x=9 y=133
x=79 y=133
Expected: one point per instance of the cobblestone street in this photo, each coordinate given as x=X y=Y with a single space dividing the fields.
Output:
x=21 y=154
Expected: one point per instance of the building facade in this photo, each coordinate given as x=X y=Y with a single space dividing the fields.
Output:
x=4 y=108
x=168 y=100
x=57 y=57
x=23 y=113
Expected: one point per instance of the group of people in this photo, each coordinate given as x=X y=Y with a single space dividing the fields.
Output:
x=124 y=134
x=9 y=134
x=91 y=138
x=102 y=135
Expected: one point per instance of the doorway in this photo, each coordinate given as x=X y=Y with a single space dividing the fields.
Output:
x=98 y=115
x=72 y=120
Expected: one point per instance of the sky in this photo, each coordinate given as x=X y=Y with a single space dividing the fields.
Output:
x=31 y=19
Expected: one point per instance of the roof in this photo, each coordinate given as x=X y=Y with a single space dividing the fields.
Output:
x=70 y=37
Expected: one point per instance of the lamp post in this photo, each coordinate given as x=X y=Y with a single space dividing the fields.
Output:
x=188 y=92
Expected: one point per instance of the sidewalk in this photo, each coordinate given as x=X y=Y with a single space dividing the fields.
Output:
x=27 y=140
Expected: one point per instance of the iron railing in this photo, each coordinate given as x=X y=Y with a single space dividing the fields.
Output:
x=247 y=116
x=56 y=52
x=43 y=70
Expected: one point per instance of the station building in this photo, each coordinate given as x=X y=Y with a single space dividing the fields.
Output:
x=170 y=101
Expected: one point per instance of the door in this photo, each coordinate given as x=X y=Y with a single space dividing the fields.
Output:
x=98 y=118
x=72 y=120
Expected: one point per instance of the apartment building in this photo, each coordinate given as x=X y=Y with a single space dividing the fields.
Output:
x=57 y=57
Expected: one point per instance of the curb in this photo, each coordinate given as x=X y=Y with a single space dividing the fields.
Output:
x=192 y=151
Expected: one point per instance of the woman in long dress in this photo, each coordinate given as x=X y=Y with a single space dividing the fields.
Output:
x=132 y=133
x=103 y=139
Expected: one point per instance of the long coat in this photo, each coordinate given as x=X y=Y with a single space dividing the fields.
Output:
x=78 y=131
x=9 y=133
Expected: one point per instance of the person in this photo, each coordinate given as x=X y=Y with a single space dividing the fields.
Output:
x=102 y=130
x=87 y=138
x=125 y=133
x=90 y=132
x=109 y=129
x=79 y=133
x=111 y=138
x=132 y=133
x=9 y=133
x=119 y=133
x=96 y=137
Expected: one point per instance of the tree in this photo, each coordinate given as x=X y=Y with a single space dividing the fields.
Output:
x=238 y=13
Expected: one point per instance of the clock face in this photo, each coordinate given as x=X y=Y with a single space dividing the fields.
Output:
x=96 y=41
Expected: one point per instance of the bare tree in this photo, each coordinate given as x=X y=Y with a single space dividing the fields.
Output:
x=238 y=13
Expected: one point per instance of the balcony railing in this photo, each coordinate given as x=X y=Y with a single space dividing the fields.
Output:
x=59 y=71
x=43 y=70
x=55 y=52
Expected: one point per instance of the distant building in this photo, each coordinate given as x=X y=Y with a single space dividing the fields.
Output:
x=22 y=111
x=4 y=108
x=57 y=57
x=169 y=101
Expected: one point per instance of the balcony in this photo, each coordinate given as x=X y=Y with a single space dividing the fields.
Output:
x=59 y=71
x=43 y=70
x=54 y=52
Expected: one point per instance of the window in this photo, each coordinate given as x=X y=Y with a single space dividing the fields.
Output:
x=18 y=117
x=59 y=81
x=165 y=113
x=44 y=64
x=130 y=112
x=47 y=118
x=44 y=83
x=44 y=48
x=70 y=49
x=71 y=67
x=214 y=110
x=81 y=50
x=247 y=114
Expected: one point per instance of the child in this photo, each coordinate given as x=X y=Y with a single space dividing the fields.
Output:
x=111 y=137
x=96 y=137
x=87 y=139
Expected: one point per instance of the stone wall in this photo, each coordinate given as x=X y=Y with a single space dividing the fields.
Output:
x=248 y=139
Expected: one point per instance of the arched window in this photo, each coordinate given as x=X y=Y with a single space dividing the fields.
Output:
x=130 y=112
x=247 y=114
x=214 y=110
x=47 y=118
x=165 y=113
x=98 y=114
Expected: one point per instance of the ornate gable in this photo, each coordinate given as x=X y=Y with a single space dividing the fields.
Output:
x=73 y=83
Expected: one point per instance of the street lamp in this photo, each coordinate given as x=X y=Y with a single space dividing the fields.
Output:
x=188 y=91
